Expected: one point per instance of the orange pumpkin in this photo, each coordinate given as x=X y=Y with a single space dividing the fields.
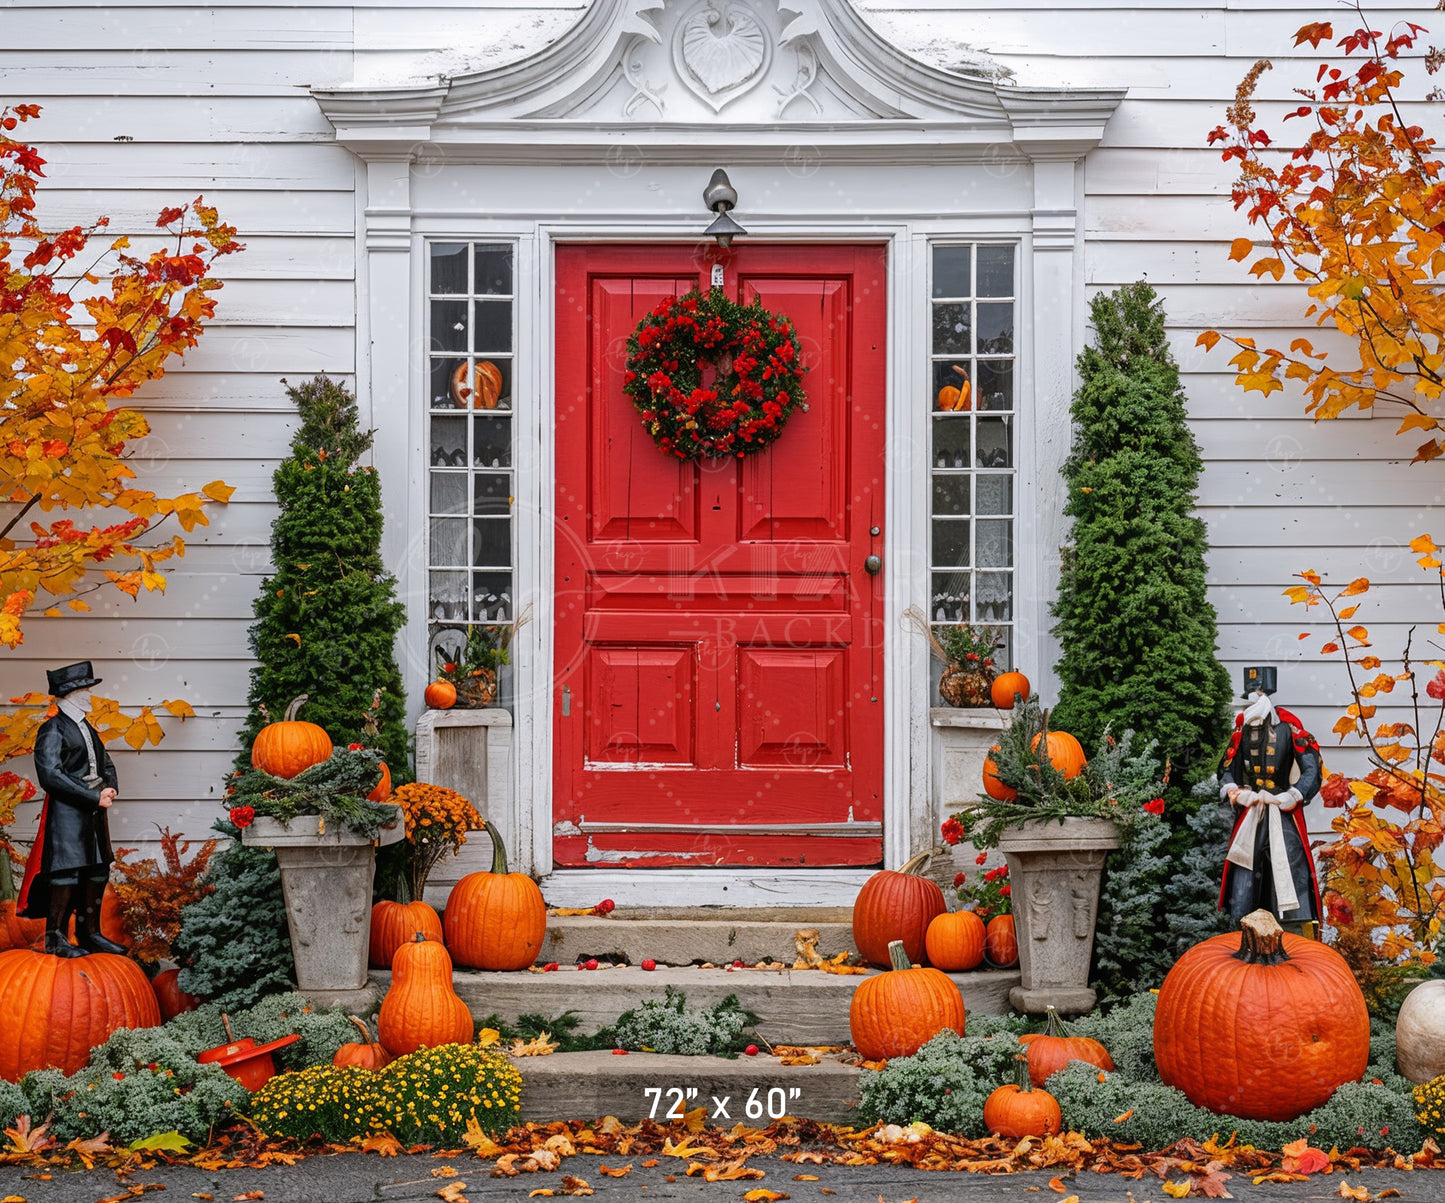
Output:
x=54 y=1010
x=1065 y=753
x=954 y=941
x=992 y=786
x=486 y=388
x=1018 y=1110
x=368 y=1054
x=1000 y=941
x=956 y=398
x=895 y=906
x=1051 y=1050
x=421 y=1010
x=383 y=787
x=899 y=1011
x=16 y=932
x=171 y=999
x=1005 y=686
x=289 y=747
x=440 y=695
x=495 y=920
x=112 y=920
x=1260 y=1023
x=394 y=923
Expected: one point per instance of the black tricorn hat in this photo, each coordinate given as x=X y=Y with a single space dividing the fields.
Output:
x=70 y=678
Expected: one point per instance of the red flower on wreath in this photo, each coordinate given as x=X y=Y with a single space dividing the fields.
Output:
x=1155 y=806
x=743 y=409
x=243 y=816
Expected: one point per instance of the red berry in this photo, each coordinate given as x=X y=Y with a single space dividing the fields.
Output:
x=751 y=1050
x=739 y=965
x=649 y=964
x=619 y=1052
x=592 y=964
x=550 y=967
x=605 y=906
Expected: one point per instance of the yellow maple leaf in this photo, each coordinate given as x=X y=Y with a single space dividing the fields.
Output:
x=478 y=1141
x=1176 y=1190
x=384 y=1144
x=218 y=490
x=541 y=1046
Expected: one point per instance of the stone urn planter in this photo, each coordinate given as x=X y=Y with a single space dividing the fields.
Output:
x=326 y=876
x=1056 y=870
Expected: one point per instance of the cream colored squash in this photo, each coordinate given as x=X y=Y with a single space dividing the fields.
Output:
x=1420 y=1033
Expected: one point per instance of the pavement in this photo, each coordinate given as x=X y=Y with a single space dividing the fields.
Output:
x=357 y=1178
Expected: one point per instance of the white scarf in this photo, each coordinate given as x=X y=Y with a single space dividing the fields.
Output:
x=1258 y=804
x=73 y=711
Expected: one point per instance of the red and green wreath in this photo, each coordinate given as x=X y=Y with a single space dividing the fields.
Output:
x=758 y=380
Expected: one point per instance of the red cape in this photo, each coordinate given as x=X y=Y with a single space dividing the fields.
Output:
x=33 y=868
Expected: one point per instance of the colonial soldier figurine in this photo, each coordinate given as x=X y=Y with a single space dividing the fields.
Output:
x=70 y=860
x=1271 y=767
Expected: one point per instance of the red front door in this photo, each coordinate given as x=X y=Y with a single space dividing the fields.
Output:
x=718 y=685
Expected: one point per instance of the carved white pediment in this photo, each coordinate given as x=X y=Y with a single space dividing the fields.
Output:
x=773 y=66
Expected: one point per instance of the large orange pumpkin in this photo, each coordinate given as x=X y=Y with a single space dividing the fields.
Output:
x=1260 y=1023
x=1001 y=941
x=421 y=1010
x=495 y=920
x=896 y=1013
x=440 y=695
x=992 y=786
x=895 y=906
x=1018 y=1110
x=288 y=747
x=54 y=1010
x=1005 y=686
x=1051 y=1050
x=954 y=941
x=1065 y=753
x=395 y=923
x=171 y=999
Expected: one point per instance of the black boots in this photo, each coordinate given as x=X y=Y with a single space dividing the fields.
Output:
x=87 y=920
x=57 y=943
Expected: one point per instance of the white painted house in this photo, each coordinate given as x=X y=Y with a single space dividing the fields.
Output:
x=423 y=187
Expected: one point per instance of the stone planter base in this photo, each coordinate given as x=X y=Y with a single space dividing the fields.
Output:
x=1055 y=870
x=326 y=878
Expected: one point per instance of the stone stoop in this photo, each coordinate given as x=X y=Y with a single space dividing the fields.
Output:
x=691 y=936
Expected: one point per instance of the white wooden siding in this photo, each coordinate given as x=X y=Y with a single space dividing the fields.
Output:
x=148 y=103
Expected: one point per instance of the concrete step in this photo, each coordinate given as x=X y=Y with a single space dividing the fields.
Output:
x=688 y=937
x=647 y=1085
x=793 y=1007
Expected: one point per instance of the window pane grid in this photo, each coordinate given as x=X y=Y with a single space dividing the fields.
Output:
x=471 y=485
x=972 y=403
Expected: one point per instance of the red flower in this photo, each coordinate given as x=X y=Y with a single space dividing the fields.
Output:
x=1155 y=806
x=981 y=858
x=243 y=816
x=959 y=879
x=952 y=830
x=1005 y=890
x=355 y=747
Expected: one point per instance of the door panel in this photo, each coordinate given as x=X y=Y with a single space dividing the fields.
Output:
x=717 y=695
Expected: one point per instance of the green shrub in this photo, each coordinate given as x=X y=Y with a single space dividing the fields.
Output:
x=322 y=1031
x=336 y=1103
x=664 y=1025
x=430 y=1096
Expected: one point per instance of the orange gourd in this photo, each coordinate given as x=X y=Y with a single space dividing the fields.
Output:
x=171 y=999
x=394 y=923
x=1005 y=686
x=1001 y=941
x=440 y=695
x=1260 y=1023
x=383 y=787
x=956 y=398
x=895 y=906
x=421 y=1010
x=1065 y=753
x=992 y=786
x=288 y=747
x=54 y=1010
x=1018 y=1110
x=1050 y=1051
x=368 y=1054
x=899 y=1011
x=954 y=941
x=495 y=920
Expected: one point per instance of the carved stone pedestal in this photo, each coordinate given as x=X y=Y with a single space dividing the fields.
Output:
x=1055 y=870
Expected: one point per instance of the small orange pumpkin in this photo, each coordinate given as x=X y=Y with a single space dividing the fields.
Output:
x=421 y=1010
x=1018 y=1110
x=16 y=932
x=1005 y=686
x=1065 y=753
x=899 y=1011
x=954 y=941
x=486 y=388
x=1001 y=941
x=288 y=747
x=440 y=695
x=495 y=920
x=383 y=787
x=394 y=923
x=959 y=398
x=368 y=1054
x=171 y=999
x=992 y=786
x=895 y=906
x=1051 y=1050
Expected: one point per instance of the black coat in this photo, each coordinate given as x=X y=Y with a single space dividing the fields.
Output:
x=75 y=834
